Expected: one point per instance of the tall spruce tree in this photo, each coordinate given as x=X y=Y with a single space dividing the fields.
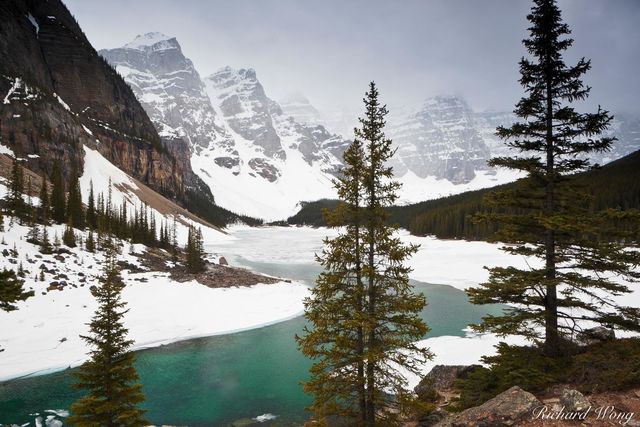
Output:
x=109 y=377
x=58 y=199
x=91 y=208
x=364 y=317
x=194 y=250
x=15 y=202
x=44 y=208
x=75 y=210
x=549 y=217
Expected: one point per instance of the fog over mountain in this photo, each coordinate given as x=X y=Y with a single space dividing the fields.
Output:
x=413 y=49
x=262 y=156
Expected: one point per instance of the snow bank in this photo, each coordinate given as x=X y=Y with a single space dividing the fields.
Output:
x=43 y=334
x=98 y=170
x=415 y=189
x=467 y=350
x=456 y=263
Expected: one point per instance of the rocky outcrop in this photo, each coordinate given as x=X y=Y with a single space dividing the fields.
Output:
x=442 y=377
x=246 y=108
x=58 y=94
x=573 y=401
x=440 y=139
x=509 y=408
x=447 y=139
x=169 y=88
x=595 y=335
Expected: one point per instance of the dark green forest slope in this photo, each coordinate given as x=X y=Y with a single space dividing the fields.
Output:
x=616 y=184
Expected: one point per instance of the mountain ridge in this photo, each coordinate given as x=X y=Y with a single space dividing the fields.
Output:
x=239 y=137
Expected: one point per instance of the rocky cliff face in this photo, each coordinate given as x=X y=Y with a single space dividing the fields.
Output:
x=445 y=138
x=240 y=139
x=440 y=140
x=169 y=88
x=58 y=94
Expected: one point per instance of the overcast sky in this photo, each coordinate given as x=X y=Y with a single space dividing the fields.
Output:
x=329 y=50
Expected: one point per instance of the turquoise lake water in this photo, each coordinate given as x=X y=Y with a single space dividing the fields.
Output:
x=226 y=380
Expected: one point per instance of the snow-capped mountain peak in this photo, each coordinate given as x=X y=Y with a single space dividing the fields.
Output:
x=153 y=40
x=438 y=139
x=256 y=160
x=296 y=105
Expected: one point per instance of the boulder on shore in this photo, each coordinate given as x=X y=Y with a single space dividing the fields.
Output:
x=509 y=408
x=440 y=379
x=574 y=401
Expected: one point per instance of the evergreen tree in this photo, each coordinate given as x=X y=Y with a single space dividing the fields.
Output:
x=75 y=211
x=90 y=243
x=29 y=212
x=364 y=317
x=109 y=377
x=58 y=199
x=15 y=202
x=195 y=261
x=91 y=208
x=174 y=240
x=33 y=236
x=44 y=209
x=69 y=237
x=45 y=245
x=548 y=214
x=11 y=290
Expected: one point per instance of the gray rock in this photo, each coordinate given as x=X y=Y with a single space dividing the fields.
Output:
x=574 y=401
x=223 y=261
x=440 y=139
x=509 y=408
x=441 y=378
x=595 y=335
x=438 y=417
x=170 y=90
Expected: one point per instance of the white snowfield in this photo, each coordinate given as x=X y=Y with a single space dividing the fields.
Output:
x=44 y=334
x=98 y=171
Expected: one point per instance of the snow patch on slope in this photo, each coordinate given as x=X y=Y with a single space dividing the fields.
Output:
x=98 y=171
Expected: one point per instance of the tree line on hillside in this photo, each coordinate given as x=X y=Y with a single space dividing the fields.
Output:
x=615 y=185
x=101 y=216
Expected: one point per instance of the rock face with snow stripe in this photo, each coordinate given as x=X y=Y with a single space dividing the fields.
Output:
x=446 y=139
x=625 y=127
x=169 y=88
x=256 y=158
x=301 y=110
x=59 y=95
x=440 y=140
x=246 y=108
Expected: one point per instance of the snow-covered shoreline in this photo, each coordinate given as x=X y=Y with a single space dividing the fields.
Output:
x=43 y=335
x=167 y=313
x=164 y=311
